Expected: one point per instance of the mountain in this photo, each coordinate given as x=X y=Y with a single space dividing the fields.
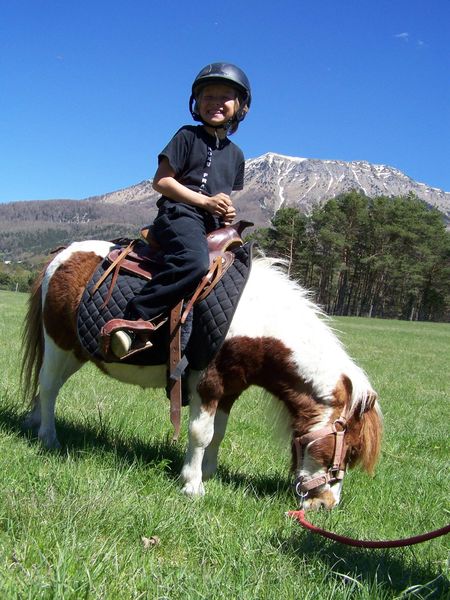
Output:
x=28 y=230
x=273 y=181
x=280 y=181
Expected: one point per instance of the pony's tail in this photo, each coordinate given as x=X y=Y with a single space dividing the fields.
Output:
x=32 y=342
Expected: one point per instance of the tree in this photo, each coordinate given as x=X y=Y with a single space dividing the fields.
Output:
x=387 y=257
x=286 y=238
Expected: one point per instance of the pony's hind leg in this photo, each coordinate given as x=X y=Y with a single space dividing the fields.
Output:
x=32 y=420
x=57 y=367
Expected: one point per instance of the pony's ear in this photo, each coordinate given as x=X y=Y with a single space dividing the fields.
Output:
x=370 y=401
x=363 y=405
x=366 y=404
x=347 y=383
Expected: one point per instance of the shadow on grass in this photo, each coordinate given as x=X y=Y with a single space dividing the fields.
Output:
x=76 y=437
x=395 y=570
x=261 y=485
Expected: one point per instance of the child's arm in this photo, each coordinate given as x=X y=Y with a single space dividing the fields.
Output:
x=165 y=183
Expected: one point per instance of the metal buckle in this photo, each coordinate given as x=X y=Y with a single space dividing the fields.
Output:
x=301 y=496
x=342 y=421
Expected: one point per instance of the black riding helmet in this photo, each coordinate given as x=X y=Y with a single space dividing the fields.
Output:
x=227 y=74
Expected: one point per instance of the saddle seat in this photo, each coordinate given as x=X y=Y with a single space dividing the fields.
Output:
x=142 y=257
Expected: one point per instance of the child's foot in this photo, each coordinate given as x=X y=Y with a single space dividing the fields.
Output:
x=120 y=338
x=121 y=342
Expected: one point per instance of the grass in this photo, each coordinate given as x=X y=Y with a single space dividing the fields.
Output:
x=72 y=522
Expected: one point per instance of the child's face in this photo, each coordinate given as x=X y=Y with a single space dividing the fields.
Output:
x=217 y=104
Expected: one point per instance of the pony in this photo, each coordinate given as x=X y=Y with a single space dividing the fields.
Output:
x=278 y=340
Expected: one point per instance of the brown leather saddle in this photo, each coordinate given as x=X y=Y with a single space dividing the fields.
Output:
x=142 y=259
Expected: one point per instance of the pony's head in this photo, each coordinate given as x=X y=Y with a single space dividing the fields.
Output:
x=349 y=433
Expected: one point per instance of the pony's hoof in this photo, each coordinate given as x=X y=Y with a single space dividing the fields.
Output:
x=49 y=441
x=190 y=489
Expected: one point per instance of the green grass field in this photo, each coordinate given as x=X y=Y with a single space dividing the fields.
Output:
x=72 y=522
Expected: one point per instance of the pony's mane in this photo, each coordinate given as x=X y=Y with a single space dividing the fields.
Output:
x=275 y=305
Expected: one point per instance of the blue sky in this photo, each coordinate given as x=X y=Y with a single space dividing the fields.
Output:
x=90 y=91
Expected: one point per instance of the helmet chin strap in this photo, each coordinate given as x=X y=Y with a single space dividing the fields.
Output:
x=216 y=128
x=226 y=126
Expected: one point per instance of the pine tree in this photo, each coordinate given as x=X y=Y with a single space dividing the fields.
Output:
x=386 y=257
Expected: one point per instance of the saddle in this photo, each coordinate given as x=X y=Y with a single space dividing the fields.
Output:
x=141 y=257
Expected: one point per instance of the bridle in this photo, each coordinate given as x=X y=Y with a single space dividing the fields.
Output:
x=335 y=473
x=336 y=470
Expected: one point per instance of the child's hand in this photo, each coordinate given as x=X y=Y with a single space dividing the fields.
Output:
x=219 y=205
x=230 y=215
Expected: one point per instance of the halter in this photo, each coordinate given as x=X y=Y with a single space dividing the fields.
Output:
x=337 y=468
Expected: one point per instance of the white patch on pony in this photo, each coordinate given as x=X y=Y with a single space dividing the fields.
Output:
x=327 y=412
x=201 y=431
x=288 y=315
x=98 y=247
x=144 y=376
x=310 y=468
x=56 y=369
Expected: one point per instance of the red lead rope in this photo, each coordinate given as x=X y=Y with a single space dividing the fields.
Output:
x=300 y=516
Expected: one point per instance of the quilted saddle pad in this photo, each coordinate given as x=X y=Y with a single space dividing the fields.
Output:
x=201 y=337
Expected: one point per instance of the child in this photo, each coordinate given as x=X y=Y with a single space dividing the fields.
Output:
x=197 y=171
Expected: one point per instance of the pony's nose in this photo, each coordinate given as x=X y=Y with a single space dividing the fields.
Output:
x=325 y=500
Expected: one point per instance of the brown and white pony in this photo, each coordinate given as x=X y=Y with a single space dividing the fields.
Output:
x=278 y=340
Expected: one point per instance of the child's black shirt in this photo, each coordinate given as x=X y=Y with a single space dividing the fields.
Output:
x=200 y=165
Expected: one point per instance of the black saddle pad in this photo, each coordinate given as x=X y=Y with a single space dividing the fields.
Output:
x=202 y=337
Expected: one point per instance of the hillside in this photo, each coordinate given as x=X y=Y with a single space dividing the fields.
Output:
x=29 y=230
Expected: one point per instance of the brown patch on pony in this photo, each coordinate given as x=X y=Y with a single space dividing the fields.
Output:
x=265 y=362
x=343 y=392
x=64 y=293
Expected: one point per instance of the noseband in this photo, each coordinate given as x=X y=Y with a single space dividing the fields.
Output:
x=336 y=469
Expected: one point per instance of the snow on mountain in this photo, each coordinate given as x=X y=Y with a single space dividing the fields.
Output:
x=305 y=182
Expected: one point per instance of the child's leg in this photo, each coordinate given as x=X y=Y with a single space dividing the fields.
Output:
x=181 y=232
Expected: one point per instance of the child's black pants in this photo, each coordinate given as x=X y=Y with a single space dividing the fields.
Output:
x=181 y=231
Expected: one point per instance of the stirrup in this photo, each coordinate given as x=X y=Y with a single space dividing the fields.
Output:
x=116 y=332
x=122 y=343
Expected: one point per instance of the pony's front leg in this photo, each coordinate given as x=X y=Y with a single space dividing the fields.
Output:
x=201 y=430
x=209 y=465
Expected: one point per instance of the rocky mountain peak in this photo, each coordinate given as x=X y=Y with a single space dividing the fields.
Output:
x=273 y=181
x=305 y=182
